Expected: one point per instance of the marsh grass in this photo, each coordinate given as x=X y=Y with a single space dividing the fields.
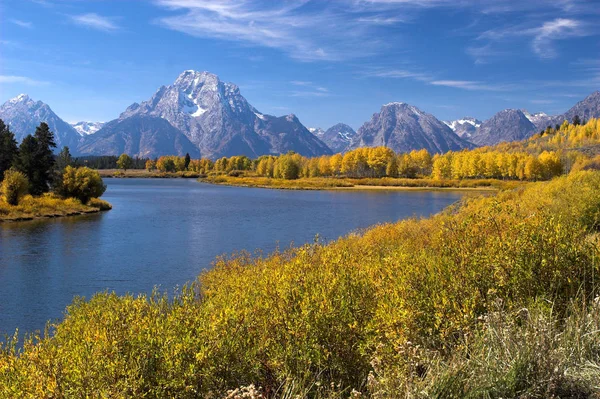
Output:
x=325 y=183
x=48 y=205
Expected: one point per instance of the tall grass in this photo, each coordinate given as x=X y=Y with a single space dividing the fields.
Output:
x=48 y=205
x=494 y=298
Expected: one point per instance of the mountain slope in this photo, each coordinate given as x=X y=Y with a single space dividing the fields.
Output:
x=85 y=128
x=23 y=115
x=586 y=109
x=338 y=137
x=141 y=136
x=220 y=122
x=507 y=125
x=403 y=128
x=464 y=127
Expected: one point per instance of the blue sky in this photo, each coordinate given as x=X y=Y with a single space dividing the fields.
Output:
x=325 y=61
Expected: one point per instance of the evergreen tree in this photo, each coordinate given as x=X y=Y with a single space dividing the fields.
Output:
x=64 y=159
x=187 y=160
x=44 y=160
x=576 y=120
x=25 y=161
x=8 y=148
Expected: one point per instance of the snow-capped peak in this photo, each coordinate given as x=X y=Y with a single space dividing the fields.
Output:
x=393 y=104
x=317 y=131
x=534 y=118
x=460 y=122
x=86 y=128
x=21 y=98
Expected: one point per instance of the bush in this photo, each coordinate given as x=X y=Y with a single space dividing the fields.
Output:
x=82 y=183
x=14 y=186
x=420 y=308
x=100 y=204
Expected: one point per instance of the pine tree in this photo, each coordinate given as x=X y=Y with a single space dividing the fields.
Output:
x=187 y=160
x=576 y=120
x=8 y=148
x=64 y=159
x=44 y=159
x=25 y=161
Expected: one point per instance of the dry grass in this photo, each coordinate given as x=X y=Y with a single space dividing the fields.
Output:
x=143 y=173
x=48 y=206
x=328 y=183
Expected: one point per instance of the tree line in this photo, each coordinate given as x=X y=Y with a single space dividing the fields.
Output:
x=32 y=168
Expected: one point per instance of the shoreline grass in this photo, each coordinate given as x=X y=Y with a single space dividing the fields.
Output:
x=385 y=183
x=49 y=206
x=143 y=173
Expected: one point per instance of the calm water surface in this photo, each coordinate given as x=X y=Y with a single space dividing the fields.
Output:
x=166 y=231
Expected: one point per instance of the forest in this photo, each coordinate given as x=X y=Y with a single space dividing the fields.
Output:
x=554 y=151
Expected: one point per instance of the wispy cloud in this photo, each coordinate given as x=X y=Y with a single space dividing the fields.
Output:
x=543 y=36
x=323 y=31
x=310 y=89
x=95 y=21
x=22 y=24
x=470 y=85
x=430 y=79
x=398 y=74
x=483 y=54
x=560 y=28
x=21 y=80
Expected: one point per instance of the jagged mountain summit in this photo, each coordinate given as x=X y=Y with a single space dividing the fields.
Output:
x=464 y=127
x=540 y=119
x=586 y=109
x=317 y=131
x=23 y=115
x=86 y=128
x=338 y=137
x=219 y=121
x=515 y=124
x=403 y=128
x=506 y=125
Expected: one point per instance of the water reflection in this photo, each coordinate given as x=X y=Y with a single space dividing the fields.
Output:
x=166 y=231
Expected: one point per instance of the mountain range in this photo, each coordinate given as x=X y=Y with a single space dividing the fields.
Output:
x=203 y=116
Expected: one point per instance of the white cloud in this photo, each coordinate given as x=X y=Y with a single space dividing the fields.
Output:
x=544 y=36
x=470 y=85
x=21 y=80
x=95 y=21
x=560 y=28
x=429 y=79
x=399 y=74
x=323 y=31
x=22 y=24
x=312 y=90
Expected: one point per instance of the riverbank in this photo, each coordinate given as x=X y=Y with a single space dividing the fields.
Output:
x=143 y=173
x=385 y=183
x=494 y=298
x=49 y=206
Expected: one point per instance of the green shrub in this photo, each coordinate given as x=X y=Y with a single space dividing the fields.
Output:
x=14 y=186
x=82 y=183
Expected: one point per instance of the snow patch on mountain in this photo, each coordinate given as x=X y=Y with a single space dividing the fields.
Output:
x=86 y=128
